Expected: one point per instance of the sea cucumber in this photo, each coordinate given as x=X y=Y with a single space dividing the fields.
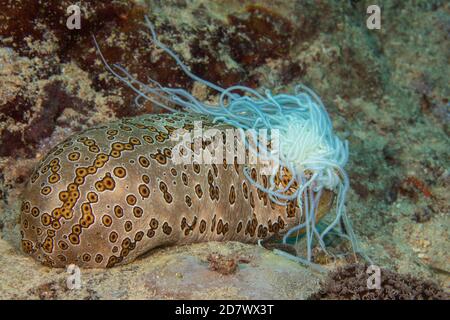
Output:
x=111 y=193
x=107 y=195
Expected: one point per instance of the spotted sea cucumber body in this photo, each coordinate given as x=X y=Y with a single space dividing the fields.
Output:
x=111 y=193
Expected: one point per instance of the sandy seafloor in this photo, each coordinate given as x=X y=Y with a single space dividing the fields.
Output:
x=386 y=92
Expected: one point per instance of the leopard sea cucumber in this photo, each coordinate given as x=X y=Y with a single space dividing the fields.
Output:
x=109 y=194
x=112 y=192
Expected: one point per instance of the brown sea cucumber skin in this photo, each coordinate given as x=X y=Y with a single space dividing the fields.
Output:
x=109 y=194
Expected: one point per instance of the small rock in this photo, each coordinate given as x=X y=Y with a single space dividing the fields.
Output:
x=422 y=215
x=46 y=291
x=221 y=264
